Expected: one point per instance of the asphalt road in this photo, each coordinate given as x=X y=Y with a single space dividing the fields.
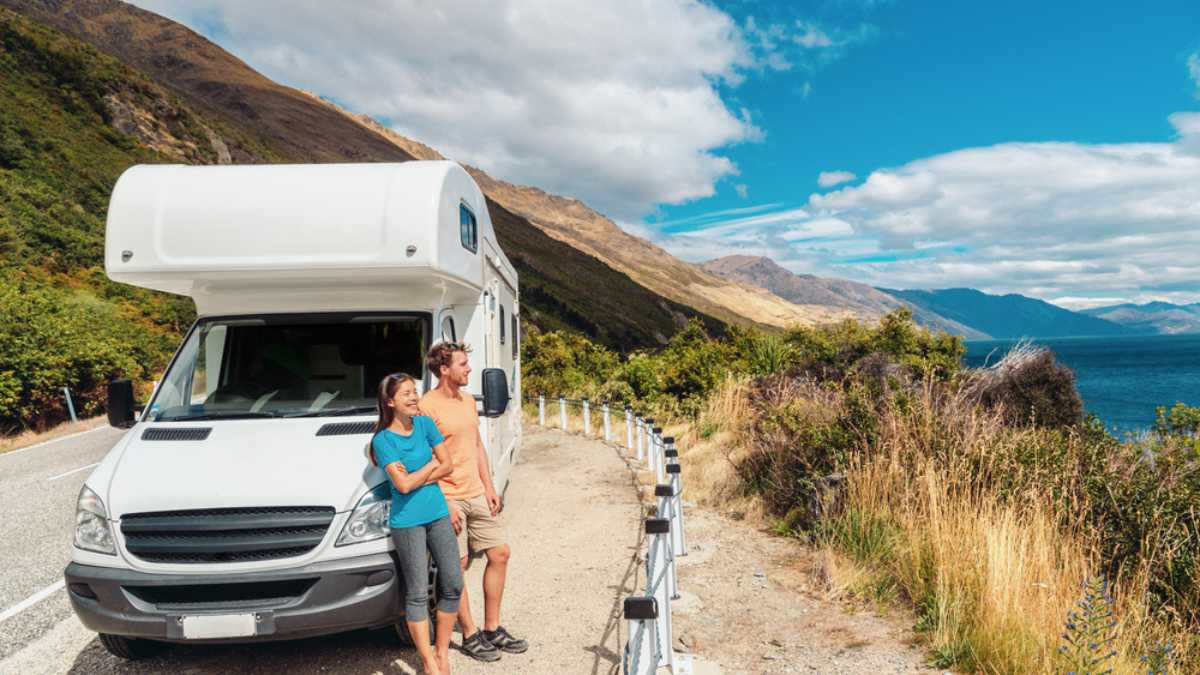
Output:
x=38 y=488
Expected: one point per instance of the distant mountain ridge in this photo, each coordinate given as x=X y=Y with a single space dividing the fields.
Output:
x=806 y=289
x=970 y=313
x=1152 y=317
x=1009 y=316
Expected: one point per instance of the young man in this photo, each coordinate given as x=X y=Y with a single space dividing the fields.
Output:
x=471 y=496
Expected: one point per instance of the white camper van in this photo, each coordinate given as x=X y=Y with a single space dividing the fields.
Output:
x=241 y=505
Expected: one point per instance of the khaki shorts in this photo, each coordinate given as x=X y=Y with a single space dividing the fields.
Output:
x=481 y=530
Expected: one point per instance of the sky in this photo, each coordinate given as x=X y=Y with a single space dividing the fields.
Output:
x=1048 y=149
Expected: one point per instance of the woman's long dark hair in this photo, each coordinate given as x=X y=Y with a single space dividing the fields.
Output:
x=387 y=389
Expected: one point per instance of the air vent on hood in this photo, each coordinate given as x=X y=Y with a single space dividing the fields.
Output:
x=181 y=434
x=346 y=428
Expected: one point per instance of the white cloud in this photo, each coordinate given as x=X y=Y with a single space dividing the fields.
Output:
x=830 y=178
x=618 y=103
x=742 y=190
x=1061 y=221
x=812 y=37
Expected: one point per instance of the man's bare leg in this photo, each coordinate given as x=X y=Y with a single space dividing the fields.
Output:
x=493 y=585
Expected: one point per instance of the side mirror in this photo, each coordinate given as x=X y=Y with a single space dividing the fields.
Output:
x=495 y=392
x=120 y=403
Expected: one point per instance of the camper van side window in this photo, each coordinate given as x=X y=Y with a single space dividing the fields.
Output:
x=468 y=230
x=515 y=328
x=448 y=334
x=501 y=324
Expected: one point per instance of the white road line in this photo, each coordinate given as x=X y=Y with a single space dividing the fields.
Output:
x=18 y=451
x=31 y=600
x=61 y=475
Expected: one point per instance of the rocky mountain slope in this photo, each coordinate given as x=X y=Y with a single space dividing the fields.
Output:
x=574 y=223
x=806 y=289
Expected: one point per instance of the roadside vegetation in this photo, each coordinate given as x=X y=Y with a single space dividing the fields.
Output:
x=986 y=500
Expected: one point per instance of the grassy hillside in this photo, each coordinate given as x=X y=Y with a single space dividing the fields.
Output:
x=61 y=152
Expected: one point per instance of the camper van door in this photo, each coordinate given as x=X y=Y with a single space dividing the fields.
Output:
x=500 y=435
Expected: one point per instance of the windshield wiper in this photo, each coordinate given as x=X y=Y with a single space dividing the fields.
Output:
x=336 y=412
x=227 y=415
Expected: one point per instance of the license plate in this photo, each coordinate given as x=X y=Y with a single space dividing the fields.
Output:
x=211 y=626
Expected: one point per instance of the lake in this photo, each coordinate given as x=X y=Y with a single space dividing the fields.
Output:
x=1120 y=379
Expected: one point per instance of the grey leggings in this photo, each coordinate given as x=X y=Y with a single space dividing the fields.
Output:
x=412 y=543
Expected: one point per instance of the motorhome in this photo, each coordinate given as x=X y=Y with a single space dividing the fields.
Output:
x=240 y=505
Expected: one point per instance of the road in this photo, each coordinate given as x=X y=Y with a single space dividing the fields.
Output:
x=38 y=487
x=573 y=516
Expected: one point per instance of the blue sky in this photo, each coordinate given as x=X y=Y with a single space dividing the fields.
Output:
x=1051 y=149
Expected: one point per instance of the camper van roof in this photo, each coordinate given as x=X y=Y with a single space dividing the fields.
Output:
x=272 y=231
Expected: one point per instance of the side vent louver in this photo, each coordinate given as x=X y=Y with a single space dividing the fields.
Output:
x=346 y=428
x=180 y=434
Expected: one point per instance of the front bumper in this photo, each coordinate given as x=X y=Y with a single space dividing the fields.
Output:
x=316 y=599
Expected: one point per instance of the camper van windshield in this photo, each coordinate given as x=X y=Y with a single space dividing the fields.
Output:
x=279 y=366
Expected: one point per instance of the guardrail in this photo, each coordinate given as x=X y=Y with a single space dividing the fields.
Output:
x=649 y=645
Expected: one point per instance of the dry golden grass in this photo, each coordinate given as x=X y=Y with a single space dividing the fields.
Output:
x=991 y=577
x=27 y=438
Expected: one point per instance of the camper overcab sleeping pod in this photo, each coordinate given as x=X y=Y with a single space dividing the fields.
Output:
x=241 y=505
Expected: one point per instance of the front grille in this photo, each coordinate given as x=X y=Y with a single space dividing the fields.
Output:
x=223 y=596
x=226 y=535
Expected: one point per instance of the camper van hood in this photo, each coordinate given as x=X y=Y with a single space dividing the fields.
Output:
x=242 y=463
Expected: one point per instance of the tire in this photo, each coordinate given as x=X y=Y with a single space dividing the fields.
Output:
x=401 y=627
x=405 y=637
x=129 y=648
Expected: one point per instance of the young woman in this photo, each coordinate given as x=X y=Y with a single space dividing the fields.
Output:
x=405 y=445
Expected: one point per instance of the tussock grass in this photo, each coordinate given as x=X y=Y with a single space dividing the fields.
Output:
x=985 y=528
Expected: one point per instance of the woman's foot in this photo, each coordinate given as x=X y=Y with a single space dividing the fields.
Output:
x=432 y=666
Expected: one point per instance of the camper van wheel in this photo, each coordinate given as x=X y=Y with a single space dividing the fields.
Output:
x=129 y=648
x=406 y=638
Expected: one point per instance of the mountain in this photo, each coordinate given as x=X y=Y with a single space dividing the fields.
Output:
x=157 y=92
x=1009 y=316
x=1152 y=317
x=303 y=128
x=806 y=289
x=572 y=222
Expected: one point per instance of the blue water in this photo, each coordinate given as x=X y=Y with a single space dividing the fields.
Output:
x=1120 y=379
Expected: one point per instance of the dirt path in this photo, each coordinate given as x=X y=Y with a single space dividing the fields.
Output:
x=749 y=605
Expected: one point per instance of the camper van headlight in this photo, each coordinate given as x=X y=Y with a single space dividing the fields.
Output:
x=92 y=532
x=369 y=520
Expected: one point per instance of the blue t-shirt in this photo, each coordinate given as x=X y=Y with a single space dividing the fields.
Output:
x=425 y=504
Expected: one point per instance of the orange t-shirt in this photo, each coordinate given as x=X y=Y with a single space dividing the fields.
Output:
x=459 y=423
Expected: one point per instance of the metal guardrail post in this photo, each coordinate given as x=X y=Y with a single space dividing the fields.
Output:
x=660 y=466
x=640 y=657
x=607 y=425
x=659 y=572
x=70 y=404
x=666 y=510
x=541 y=410
x=587 y=418
x=562 y=413
x=641 y=431
x=628 y=429
x=675 y=480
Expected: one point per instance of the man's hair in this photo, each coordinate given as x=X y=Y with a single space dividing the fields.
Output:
x=442 y=354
